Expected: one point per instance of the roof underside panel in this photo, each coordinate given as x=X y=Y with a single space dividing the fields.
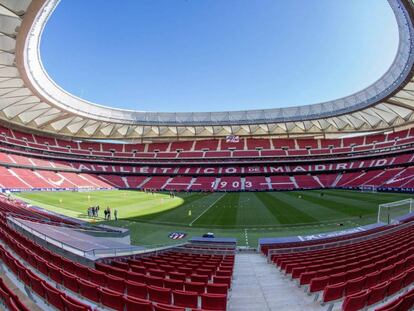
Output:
x=28 y=98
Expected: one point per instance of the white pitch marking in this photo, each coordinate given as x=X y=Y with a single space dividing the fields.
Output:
x=247 y=239
x=191 y=223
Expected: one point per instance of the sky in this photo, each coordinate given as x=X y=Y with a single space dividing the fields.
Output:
x=215 y=55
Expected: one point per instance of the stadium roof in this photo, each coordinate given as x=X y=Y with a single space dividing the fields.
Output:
x=30 y=99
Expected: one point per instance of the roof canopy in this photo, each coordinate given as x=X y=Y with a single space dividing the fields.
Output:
x=30 y=99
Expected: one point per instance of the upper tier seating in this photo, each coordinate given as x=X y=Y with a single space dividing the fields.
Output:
x=244 y=148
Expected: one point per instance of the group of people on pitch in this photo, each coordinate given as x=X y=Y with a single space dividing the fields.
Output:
x=93 y=211
x=107 y=213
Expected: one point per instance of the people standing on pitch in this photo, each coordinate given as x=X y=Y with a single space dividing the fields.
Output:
x=106 y=213
x=116 y=214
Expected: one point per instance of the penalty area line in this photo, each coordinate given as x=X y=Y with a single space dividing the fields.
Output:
x=211 y=205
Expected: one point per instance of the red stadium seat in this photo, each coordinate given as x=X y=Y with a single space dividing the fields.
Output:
x=112 y=299
x=407 y=301
x=42 y=266
x=156 y=272
x=70 y=282
x=136 y=290
x=337 y=278
x=197 y=287
x=409 y=278
x=115 y=284
x=177 y=276
x=165 y=307
x=138 y=269
x=155 y=281
x=396 y=283
x=136 y=277
x=81 y=271
x=159 y=294
x=174 y=284
x=377 y=293
x=356 y=301
x=318 y=284
x=227 y=273
x=222 y=280
x=199 y=278
x=393 y=306
x=214 y=301
x=372 y=279
x=73 y=305
x=36 y=284
x=334 y=292
x=120 y=264
x=217 y=288
x=55 y=273
x=386 y=273
x=4 y=296
x=354 y=286
x=89 y=290
x=54 y=297
x=185 y=299
x=97 y=277
x=135 y=304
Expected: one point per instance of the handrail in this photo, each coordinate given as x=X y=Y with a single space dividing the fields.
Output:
x=91 y=254
x=290 y=250
x=214 y=251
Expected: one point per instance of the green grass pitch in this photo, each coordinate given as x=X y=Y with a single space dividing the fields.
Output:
x=246 y=216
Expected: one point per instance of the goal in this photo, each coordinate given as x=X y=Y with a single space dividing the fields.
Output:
x=368 y=188
x=388 y=212
x=84 y=189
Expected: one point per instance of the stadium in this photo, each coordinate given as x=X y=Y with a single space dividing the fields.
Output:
x=297 y=208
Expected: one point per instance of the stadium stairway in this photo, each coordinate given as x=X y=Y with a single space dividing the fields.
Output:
x=259 y=286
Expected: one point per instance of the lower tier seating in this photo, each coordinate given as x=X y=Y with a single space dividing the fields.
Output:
x=358 y=275
x=168 y=281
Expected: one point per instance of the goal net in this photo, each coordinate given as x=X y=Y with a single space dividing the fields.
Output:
x=84 y=189
x=368 y=188
x=388 y=212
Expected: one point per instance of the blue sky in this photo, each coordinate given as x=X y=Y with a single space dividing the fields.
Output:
x=213 y=55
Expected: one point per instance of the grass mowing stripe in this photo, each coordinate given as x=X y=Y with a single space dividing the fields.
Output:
x=378 y=197
x=223 y=214
x=283 y=212
x=307 y=213
x=347 y=209
x=211 y=205
x=350 y=205
x=252 y=213
x=178 y=214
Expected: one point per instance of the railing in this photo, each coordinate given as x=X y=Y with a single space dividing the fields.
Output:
x=290 y=250
x=90 y=254
x=204 y=250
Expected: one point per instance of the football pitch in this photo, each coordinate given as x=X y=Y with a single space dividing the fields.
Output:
x=247 y=216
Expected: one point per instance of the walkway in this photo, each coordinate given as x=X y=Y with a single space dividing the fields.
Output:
x=259 y=286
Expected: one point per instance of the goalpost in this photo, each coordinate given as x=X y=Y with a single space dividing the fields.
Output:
x=368 y=188
x=84 y=189
x=388 y=212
